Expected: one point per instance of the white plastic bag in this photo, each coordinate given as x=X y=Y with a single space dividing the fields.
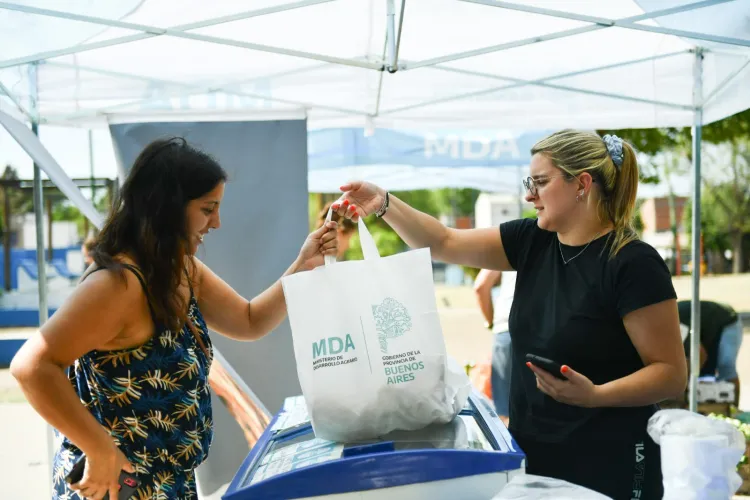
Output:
x=369 y=348
x=531 y=487
x=699 y=455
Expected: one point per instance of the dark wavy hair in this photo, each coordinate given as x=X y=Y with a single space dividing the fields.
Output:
x=148 y=221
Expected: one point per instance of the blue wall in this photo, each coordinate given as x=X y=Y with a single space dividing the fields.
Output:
x=8 y=349
x=20 y=317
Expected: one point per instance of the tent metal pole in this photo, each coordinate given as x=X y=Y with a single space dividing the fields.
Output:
x=91 y=169
x=566 y=88
x=400 y=27
x=393 y=40
x=556 y=35
x=390 y=26
x=38 y=194
x=724 y=84
x=231 y=88
x=157 y=31
x=503 y=46
x=378 y=95
x=5 y=90
x=188 y=90
x=38 y=204
x=142 y=102
x=541 y=81
x=695 y=310
x=620 y=23
x=75 y=49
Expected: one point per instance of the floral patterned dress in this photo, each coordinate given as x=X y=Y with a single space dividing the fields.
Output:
x=154 y=399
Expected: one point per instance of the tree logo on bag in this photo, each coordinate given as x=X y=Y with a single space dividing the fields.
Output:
x=391 y=320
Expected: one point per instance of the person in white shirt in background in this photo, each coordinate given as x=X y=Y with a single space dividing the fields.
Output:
x=496 y=312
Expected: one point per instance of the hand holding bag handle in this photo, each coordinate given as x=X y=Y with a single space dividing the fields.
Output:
x=369 y=249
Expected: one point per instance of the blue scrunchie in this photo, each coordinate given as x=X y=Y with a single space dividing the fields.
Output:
x=614 y=148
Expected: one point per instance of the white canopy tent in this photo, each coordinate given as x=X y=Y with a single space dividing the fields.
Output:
x=383 y=63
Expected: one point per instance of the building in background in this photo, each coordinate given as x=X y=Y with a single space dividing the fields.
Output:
x=657 y=229
x=492 y=209
x=64 y=233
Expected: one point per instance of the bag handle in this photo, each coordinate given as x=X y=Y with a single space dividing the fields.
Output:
x=369 y=248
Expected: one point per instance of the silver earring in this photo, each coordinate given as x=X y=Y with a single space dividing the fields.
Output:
x=580 y=196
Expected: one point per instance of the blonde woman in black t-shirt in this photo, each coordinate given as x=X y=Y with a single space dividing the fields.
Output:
x=590 y=296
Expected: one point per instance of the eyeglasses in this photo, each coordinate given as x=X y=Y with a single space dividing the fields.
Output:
x=531 y=184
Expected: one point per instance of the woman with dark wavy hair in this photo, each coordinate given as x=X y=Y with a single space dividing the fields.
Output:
x=134 y=337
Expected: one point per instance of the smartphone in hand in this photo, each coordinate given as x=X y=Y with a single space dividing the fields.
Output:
x=552 y=367
x=128 y=482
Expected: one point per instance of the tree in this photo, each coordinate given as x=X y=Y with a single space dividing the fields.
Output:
x=64 y=210
x=713 y=229
x=725 y=198
x=423 y=200
x=652 y=141
x=723 y=226
x=730 y=129
x=637 y=219
x=732 y=199
x=17 y=201
x=649 y=143
x=456 y=202
x=672 y=163
x=528 y=213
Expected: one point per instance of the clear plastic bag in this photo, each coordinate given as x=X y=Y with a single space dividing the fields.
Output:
x=699 y=455
x=531 y=487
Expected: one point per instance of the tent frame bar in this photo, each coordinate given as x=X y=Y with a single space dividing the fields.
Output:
x=390 y=36
x=398 y=37
x=224 y=87
x=556 y=35
x=695 y=305
x=392 y=49
x=16 y=101
x=142 y=36
x=544 y=83
x=392 y=66
x=619 y=23
x=151 y=31
x=38 y=197
x=725 y=83
x=188 y=91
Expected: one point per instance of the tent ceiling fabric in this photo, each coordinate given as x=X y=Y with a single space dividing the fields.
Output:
x=462 y=63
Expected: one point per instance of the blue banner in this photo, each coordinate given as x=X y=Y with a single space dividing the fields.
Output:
x=406 y=160
x=348 y=147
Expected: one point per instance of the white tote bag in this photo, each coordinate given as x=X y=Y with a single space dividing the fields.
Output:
x=369 y=348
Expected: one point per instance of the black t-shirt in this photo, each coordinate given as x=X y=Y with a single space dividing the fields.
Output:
x=714 y=318
x=572 y=313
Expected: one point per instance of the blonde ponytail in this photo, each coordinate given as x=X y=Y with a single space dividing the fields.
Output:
x=620 y=203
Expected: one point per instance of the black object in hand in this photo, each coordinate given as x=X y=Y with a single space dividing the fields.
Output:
x=552 y=367
x=128 y=482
